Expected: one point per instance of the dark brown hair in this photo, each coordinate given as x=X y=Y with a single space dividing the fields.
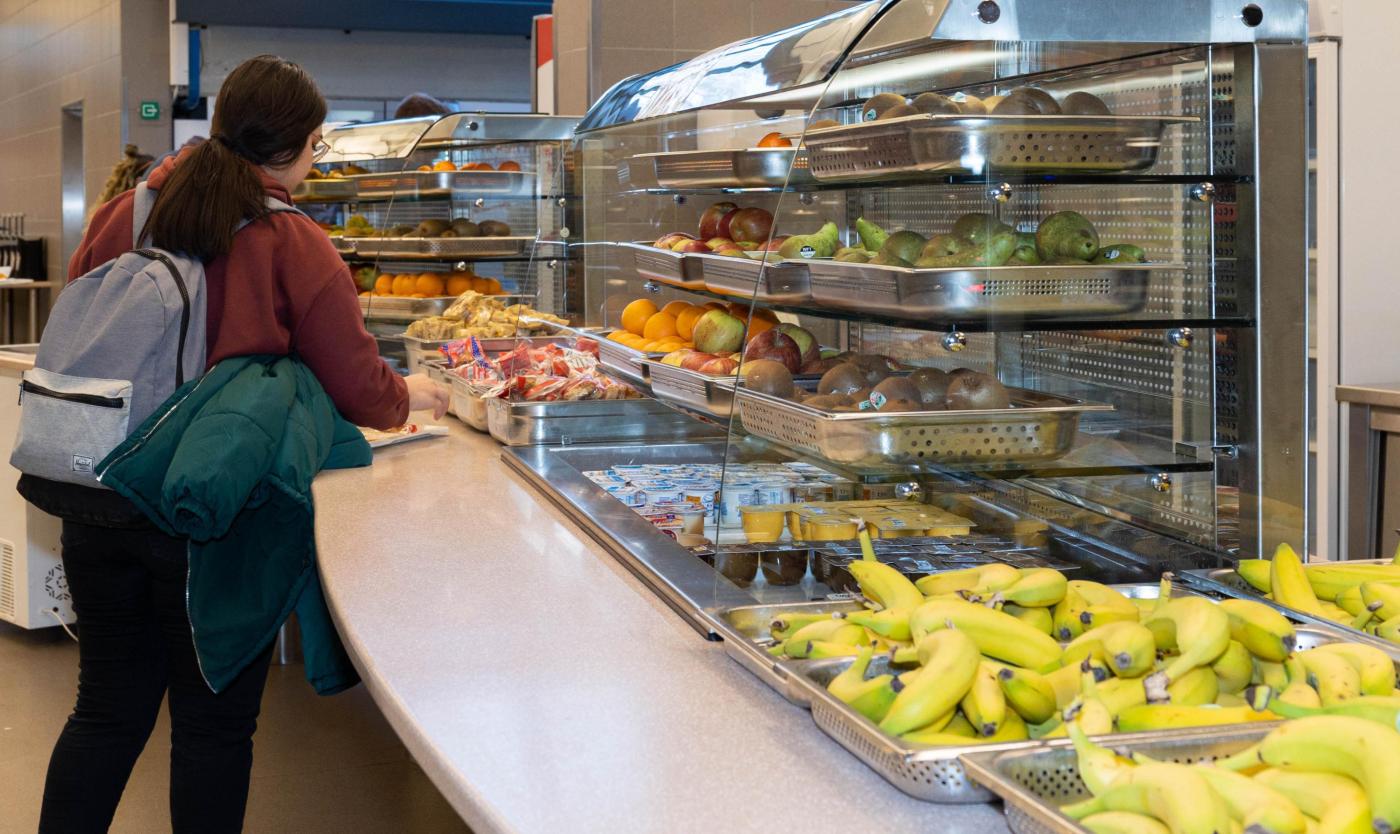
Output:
x=267 y=107
x=420 y=104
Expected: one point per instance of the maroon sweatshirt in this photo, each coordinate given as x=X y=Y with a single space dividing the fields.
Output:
x=282 y=290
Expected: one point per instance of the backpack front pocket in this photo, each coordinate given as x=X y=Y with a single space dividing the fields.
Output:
x=68 y=424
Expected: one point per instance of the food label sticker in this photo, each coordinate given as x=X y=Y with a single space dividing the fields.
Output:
x=808 y=252
x=876 y=401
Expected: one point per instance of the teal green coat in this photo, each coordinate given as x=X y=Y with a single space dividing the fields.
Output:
x=227 y=462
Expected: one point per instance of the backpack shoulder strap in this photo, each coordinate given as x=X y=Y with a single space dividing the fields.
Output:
x=141 y=205
x=274 y=205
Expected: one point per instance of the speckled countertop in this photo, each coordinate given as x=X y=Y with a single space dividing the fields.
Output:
x=544 y=689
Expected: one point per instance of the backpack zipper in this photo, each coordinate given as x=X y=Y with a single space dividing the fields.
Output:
x=184 y=312
x=83 y=399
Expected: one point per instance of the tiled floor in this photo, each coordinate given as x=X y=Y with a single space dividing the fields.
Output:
x=320 y=764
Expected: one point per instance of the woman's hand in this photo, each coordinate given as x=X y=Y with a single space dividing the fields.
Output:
x=426 y=395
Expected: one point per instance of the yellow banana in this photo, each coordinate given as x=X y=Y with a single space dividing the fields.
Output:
x=1254 y=804
x=1388 y=597
x=1290 y=582
x=871 y=698
x=1106 y=605
x=1382 y=709
x=1123 y=822
x=1066 y=681
x=1330 y=579
x=889 y=622
x=1099 y=767
x=1119 y=694
x=1336 y=802
x=1171 y=716
x=830 y=630
x=1234 y=668
x=1039 y=619
x=1196 y=687
x=885 y=586
x=1352 y=747
x=1374 y=667
x=1028 y=693
x=939 y=725
x=1054 y=728
x=1300 y=693
x=1269 y=673
x=952 y=663
x=1035 y=588
x=1175 y=794
x=1202 y=634
x=1126 y=648
x=1013 y=728
x=996 y=633
x=985 y=704
x=960 y=726
x=952 y=581
x=1265 y=632
x=1256 y=573
x=785 y=626
x=1094 y=718
x=1332 y=675
x=993 y=578
x=1068 y=616
x=1350 y=600
x=1227 y=699
x=818 y=649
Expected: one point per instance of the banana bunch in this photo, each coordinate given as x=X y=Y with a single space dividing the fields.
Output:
x=1331 y=774
x=960 y=658
x=1364 y=597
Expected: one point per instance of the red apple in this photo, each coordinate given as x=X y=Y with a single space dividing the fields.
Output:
x=776 y=345
x=719 y=242
x=718 y=332
x=753 y=224
x=806 y=342
x=723 y=228
x=691 y=246
x=695 y=360
x=676 y=357
x=709 y=221
x=719 y=366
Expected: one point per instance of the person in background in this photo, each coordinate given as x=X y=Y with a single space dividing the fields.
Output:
x=277 y=287
x=420 y=104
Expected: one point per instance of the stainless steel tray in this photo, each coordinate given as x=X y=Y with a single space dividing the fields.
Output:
x=664 y=266
x=1038 y=427
x=469 y=406
x=782 y=282
x=326 y=190
x=434 y=248
x=723 y=168
x=954 y=144
x=1035 y=781
x=746 y=638
x=591 y=421
x=709 y=395
x=1226 y=581
x=423 y=185
x=974 y=294
x=400 y=308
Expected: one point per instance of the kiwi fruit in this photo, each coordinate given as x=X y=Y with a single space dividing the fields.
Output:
x=874 y=367
x=976 y=391
x=1043 y=102
x=825 y=402
x=935 y=104
x=876 y=105
x=1014 y=105
x=431 y=227
x=767 y=376
x=448 y=233
x=1084 y=104
x=845 y=378
x=897 y=389
x=465 y=227
x=969 y=105
x=900 y=405
x=991 y=102
x=932 y=385
x=860 y=397
x=897 y=112
x=821 y=123
x=493 y=228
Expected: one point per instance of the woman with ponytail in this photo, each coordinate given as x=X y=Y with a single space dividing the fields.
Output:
x=274 y=287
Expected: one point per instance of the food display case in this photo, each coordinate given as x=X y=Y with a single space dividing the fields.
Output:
x=426 y=209
x=992 y=282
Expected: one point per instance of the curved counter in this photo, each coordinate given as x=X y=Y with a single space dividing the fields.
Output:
x=543 y=688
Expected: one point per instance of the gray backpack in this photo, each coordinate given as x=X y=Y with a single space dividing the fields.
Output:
x=118 y=342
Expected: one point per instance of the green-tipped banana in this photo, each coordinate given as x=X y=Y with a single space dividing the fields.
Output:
x=1384 y=596
x=1123 y=822
x=1171 y=716
x=1269 y=673
x=950 y=582
x=997 y=634
x=871 y=698
x=889 y=622
x=1099 y=767
x=1035 y=588
x=785 y=626
x=819 y=649
x=1256 y=573
x=1265 y=632
x=1068 y=616
x=1106 y=605
x=1039 y=619
x=1029 y=693
x=985 y=703
x=1173 y=793
x=1202 y=633
x=1126 y=648
x=953 y=661
x=1336 y=802
x=1254 y=805
x=1332 y=675
x=1290 y=582
x=885 y=586
x=1382 y=709
x=1234 y=668
x=832 y=631
x=1330 y=580
x=1374 y=667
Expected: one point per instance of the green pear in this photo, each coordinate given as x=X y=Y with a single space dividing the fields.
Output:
x=1120 y=253
x=872 y=237
x=904 y=245
x=941 y=246
x=887 y=258
x=978 y=227
x=1066 y=234
x=1025 y=253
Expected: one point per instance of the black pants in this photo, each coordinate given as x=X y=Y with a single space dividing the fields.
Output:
x=128 y=591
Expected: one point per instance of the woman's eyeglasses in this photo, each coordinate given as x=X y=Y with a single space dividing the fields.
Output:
x=319 y=149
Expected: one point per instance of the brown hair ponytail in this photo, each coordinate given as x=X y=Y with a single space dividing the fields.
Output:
x=265 y=111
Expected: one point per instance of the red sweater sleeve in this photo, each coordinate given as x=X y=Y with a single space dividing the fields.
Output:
x=108 y=235
x=331 y=339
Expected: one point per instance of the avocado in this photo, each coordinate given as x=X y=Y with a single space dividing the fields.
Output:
x=904 y=245
x=941 y=246
x=872 y=237
x=878 y=104
x=935 y=104
x=1120 y=253
x=1066 y=234
x=432 y=227
x=1025 y=253
x=978 y=227
x=1084 y=104
x=1043 y=102
x=992 y=253
x=493 y=228
x=1014 y=105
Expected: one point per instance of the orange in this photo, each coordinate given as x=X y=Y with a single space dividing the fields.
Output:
x=774 y=140
x=685 y=321
x=425 y=167
x=444 y=165
x=458 y=284
x=493 y=287
x=636 y=314
x=508 y=165
x=365 y=294
x=757 y=326
x=430 y=284
x=384 y=285
x=618 y=335
x=405 y=284
x=765 y=314
x=676 y=307
x=659 y=326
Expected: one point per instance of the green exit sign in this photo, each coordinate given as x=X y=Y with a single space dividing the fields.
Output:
x=150 y=110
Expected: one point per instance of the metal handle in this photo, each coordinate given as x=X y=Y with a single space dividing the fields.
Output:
x=954 y=341
x=1203 y=192
x=479 y=202
x=1162 y=482
x=1000 y=193
x=651 y=286
x=1180 y=337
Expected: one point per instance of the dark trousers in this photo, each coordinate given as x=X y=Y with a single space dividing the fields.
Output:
x=128 y=590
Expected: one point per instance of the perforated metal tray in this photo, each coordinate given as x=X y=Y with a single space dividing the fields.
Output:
x=954 y=144
x=590 y=421
x=400 y=308
x=1038 y=427
x=723 y=168
x=781 y=282
x=423 y=185
x=1036 y=781
x=746 y=639
x=325 y=190
x=710 y=395
x=664 y=266
x=441 y=248
x=974 y=294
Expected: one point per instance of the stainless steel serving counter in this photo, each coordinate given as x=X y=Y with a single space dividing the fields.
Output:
x=544 y=688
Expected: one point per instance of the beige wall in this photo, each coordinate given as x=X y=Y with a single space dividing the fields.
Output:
x=600 y=42
x=54 y=53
